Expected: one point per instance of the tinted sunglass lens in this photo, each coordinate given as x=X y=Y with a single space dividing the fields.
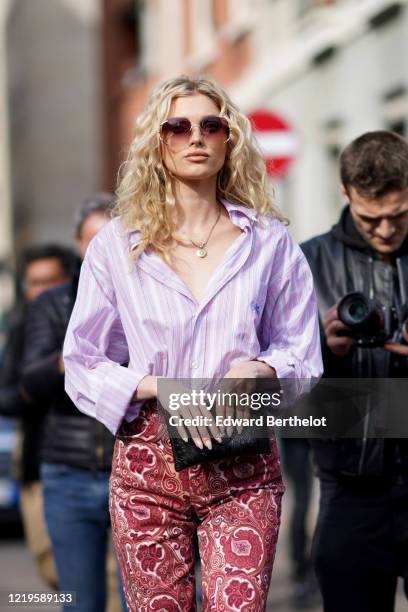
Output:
x=210 y=125
x=213 y=125
x=179 y=129
x=175 y=127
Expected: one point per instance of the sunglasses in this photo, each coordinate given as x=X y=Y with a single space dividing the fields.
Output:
x=177 y=131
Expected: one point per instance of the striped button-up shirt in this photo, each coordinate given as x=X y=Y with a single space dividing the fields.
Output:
x=259 y=304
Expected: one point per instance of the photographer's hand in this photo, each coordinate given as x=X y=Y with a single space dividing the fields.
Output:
x=336 y=333
x=398 y=349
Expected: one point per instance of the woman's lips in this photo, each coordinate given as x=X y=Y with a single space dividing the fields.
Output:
x=197 y=156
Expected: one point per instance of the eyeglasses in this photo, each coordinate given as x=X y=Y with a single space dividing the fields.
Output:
x=177 y=130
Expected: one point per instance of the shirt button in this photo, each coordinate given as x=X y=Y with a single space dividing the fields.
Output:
x=194 y=365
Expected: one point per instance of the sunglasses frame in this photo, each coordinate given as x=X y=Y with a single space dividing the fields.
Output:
x=224 y=122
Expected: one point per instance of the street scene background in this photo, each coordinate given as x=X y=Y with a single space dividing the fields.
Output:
x=74 y=74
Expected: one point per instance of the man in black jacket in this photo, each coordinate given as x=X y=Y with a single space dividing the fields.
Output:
x=361 y=540
x=42 y=267
x=76 y=450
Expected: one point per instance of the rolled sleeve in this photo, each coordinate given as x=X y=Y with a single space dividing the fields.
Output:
x=290 y=326
x=280 y=361
x=95 y=341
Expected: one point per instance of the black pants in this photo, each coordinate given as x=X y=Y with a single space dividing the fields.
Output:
x=360 y=545
x=296 y=455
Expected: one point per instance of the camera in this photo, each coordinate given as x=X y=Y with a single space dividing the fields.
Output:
x=370 y=322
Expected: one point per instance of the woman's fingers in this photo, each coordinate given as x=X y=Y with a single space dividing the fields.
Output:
x=190 y=420
x=186 y=418
x=221 y=411
x=211 y=425
x=200 y=425
x=228 y=406
x=231 y=408
x=236 y=403
x=223 y=408
x=182 y=432
x=205 y=424
x=243 y=408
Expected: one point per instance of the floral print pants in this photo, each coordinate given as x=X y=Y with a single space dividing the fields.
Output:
x=233 y=505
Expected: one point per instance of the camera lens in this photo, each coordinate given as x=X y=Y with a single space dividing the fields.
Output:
x=354 y=309
x=357 y=311
x=367 y=320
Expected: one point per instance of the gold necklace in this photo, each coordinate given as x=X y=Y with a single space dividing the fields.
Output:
x=201 y=250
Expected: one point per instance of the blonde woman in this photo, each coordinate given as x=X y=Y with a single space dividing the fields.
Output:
x=196 y=277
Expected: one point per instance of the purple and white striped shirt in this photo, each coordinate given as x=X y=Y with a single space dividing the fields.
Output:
x=259 y=304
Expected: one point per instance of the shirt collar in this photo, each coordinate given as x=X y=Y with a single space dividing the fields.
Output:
x=241 y=214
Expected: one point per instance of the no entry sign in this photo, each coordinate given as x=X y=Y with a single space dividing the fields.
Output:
x=276 y=140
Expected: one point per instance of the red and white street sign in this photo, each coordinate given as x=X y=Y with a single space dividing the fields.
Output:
x=276 y=140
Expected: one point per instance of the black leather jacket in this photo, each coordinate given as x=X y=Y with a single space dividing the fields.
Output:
x=341 y=261
x=13 y=404
x=70 y=437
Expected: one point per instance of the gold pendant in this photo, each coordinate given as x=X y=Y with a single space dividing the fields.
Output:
x=201 y=252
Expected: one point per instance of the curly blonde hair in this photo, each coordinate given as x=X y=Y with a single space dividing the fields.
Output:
x=145 y=195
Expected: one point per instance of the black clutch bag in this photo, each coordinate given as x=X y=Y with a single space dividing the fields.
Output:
x=187 y=453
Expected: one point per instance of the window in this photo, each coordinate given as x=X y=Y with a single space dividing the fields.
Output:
x=396 y=110
x=333 y=145
x=219 y=11
x=241 y=17
x=202 y=38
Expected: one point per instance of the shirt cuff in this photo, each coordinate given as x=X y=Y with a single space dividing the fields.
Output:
x=116 y=395
x=282 y=362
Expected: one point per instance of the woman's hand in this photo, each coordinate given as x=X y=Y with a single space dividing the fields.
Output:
x=251 y=369
x=240 y=379
x=146 y=389
x=200 y=434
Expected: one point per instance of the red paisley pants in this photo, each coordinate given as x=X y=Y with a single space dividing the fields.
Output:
x=233 y=505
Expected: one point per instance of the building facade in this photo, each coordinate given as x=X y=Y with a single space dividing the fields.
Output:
x=52 y=54
x=332 y=68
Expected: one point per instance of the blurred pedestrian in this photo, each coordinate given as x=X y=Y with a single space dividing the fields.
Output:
x=196 y=278
x=76 y=449
x=42 y=267
x=360 y=544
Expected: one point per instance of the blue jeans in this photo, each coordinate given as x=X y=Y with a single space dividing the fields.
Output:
x=77 y=516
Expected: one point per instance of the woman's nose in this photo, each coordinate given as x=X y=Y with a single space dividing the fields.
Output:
x=195 y=134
